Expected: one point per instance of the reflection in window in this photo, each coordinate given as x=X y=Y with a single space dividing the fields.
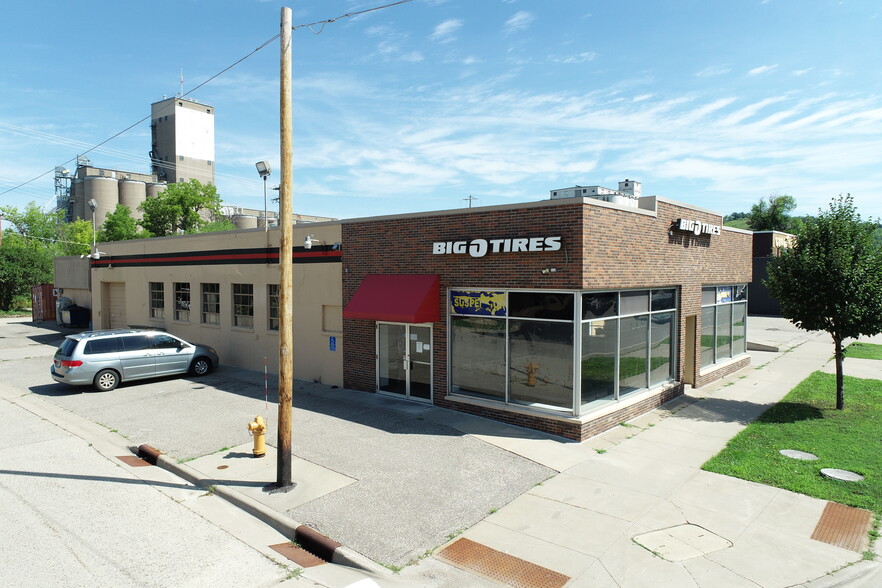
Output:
x=632 y=353
x=599 y=305
x=634 y=302
x=739 y=329
x=599 y=347
x=708 y=321
x=541 y=363
x=544 y=305
x=724 y=332
x=478 y=356
x=661 y=348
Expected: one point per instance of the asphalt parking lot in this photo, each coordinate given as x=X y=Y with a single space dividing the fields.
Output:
x=415 y=482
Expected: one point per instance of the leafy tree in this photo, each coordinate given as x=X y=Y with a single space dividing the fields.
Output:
x=221 y=224
x=39 y=229
x=120 y=226
x=184 y=207
x=772 y=215
x=75 y=238
x=22 y=266
x=831 y=279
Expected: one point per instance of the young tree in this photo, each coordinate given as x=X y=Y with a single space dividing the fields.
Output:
x=183 y=206
x=772 y=215
x=120 y=226
x=831 y=279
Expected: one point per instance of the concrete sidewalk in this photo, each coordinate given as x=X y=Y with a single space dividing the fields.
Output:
x=631 y=507
x=628 y=508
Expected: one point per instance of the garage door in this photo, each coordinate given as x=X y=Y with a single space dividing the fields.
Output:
x=115 y=305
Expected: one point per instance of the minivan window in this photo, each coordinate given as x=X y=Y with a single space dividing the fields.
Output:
x=165 y=342
x=110 y=345
x=67 y=347
x=136 y=342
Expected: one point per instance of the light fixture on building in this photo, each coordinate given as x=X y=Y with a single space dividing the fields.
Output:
x=263 y=168
x=96 y=255
x=310 y=241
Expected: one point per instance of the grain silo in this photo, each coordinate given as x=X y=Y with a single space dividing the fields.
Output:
x=154 y=189
x=131 y=194
x=105 y=192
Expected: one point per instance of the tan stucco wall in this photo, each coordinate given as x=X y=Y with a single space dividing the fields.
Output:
x=317 y=296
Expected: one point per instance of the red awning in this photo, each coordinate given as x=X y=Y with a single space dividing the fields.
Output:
x=403 y=298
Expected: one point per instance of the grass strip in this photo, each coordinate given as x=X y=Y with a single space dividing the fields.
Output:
x=864 y=351
x=806 y=419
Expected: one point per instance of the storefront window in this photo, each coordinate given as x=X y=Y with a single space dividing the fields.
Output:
x=708 y=321
x=661 y=348
x=632 y=353
x=739 y=329
x=724 y=332
x=723 y=323
x=518 y=347
x=541 y=363
x=600 y=342
x=478 y=356
x=541 y=305
x=598 y=305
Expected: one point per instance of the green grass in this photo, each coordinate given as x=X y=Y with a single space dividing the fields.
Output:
x=864 y=351
x=806 y=419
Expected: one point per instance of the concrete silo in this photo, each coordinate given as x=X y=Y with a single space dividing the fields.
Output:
x=105 y=192
x=131 y=194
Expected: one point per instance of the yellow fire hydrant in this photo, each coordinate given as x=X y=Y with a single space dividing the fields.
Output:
x=257 y=430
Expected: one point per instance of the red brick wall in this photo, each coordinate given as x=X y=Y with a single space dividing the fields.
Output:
x=603 y=249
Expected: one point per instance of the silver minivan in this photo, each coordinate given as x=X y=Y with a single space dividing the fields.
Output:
x=106 y=358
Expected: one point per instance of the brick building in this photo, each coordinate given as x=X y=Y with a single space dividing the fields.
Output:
x=568 y=315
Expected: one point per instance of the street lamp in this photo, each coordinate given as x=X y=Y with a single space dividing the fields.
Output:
x=263 y=168
x=93 y=204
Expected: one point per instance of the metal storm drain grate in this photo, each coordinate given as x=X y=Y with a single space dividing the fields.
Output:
x=132 y=460
x=496 y=565
x=298 y=555
x=844 y=526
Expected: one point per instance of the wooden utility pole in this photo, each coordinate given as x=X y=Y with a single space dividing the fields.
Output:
x=286 y=197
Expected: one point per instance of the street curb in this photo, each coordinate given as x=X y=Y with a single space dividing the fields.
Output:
x=288 y=527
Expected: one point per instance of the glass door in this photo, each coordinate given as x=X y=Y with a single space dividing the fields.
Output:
x=404 y=360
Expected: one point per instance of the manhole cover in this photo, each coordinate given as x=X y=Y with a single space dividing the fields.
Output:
x=222 y=467
x=844 y=475
x=796 y=454
x=682 y=542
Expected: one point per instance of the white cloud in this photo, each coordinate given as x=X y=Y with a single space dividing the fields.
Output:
x=763 y=69
x=519 y=22
x=713 y=70
x=446 y=31
x=579 y=58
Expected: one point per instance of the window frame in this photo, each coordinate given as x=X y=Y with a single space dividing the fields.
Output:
x=182 y=290
x=725 y=309
x=157 y=300
x=667 y=301
x=272 y=304
x=243 y=305
x=207 y=308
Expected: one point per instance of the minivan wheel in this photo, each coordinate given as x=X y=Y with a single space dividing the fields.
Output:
x=200 y=366
x=106 y=380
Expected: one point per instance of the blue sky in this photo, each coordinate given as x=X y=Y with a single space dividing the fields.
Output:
x=416 y=107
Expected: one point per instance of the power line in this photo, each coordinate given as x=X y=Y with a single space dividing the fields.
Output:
x=218 y=74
